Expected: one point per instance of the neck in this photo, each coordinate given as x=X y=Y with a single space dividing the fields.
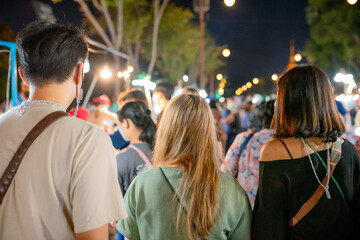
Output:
x=134 y=137
x=59 y=93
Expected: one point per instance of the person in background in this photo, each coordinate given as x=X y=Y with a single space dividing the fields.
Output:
x=217 y=118
x=23 y=95
x=186 y=196
x=136 y=123
x=82 y=113
x=161 y=96
x=66 y=186
x=231 y=122
x=118 y=137
x=131 y=96
x=247 y=115
x=242 y=159
x=309 y=183
x=191 y=90
x=100 y=114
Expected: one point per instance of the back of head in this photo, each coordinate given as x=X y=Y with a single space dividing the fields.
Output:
x=132 y=96
x=191 y=90
x=305 y=105
x=49 y=53
x=165 y=88
x=266 y=112
x=140 y=115
x=186 y=137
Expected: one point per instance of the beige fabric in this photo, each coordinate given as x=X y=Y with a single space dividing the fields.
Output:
x=66 y=183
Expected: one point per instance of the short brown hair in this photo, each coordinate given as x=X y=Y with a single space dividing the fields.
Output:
x=305 y=106
x=132 y=95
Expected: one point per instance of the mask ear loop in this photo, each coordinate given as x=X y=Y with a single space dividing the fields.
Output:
x=78 y=98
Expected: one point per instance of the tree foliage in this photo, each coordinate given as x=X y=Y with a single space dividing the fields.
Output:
x=334 y=35
x=177 y=38
x=178 y=42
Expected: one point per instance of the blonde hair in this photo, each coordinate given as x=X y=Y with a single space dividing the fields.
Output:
x=186 y=137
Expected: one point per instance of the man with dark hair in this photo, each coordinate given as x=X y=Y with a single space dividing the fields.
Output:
x=66 y=184
x=161 y=96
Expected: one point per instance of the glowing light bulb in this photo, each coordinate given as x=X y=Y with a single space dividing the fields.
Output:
x=229 y=3
x=226 y=52
x=274 y=77
x=105 y=73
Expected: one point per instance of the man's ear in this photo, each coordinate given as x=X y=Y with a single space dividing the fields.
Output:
x=78 y=73
x=21 y=73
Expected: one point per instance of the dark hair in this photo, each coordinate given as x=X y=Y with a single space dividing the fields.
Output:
x=305 y=106
x=166 y=88
x=133 y=95
x=266 y=113
x=140 y=115
x=50 y=52
x=248 y=106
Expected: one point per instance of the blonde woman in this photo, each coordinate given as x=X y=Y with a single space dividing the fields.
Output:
x=185 y=196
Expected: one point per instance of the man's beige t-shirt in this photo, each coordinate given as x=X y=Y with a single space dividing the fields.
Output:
x=66 y=182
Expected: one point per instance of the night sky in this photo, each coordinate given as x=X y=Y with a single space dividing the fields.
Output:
x=257 y=32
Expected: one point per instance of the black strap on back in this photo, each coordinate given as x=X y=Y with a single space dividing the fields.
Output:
x=286 y=148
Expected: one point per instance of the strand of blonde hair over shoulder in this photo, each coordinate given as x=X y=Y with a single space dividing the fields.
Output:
x=186 y=138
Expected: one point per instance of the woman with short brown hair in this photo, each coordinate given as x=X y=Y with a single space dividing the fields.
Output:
x=304 y=191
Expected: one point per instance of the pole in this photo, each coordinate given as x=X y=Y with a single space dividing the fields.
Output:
x=12 y=47
x=202 y=43
x=90 y=91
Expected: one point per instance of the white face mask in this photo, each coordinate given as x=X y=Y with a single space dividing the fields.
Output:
x=122 y=131
x=156 y=108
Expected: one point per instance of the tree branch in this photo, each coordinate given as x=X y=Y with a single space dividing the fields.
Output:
x=120 y=21
x=96 y=5
x=158 y=12
x=94 y=22
x=109 y=22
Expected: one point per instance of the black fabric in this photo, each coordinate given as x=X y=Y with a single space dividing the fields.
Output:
x=284 y=186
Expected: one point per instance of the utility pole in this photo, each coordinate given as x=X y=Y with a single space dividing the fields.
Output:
x=202 y=6
x=202 y=43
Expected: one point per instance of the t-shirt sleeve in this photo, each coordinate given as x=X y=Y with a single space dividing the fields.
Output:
x=94 y=190
x=270 y=220
x=128 y=226
x=242 y=230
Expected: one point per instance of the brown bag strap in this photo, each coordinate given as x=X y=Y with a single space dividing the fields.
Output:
x=310 y=204
x=14 y=164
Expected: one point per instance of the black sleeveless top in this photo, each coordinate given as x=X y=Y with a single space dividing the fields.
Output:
x=285 y=185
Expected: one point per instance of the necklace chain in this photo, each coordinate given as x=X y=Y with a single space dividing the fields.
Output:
x=24 y=106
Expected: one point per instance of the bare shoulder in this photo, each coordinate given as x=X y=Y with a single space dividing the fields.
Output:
x=274 y=150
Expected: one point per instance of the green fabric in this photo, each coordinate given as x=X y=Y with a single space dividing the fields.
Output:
x=151 y=209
